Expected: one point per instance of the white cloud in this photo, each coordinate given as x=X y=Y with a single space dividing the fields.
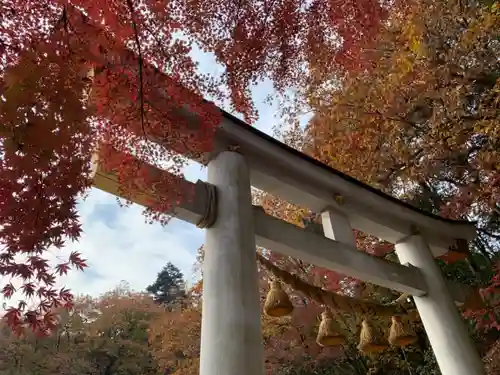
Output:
x=119 y=245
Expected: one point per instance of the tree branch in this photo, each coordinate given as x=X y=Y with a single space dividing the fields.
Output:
x=140 y=62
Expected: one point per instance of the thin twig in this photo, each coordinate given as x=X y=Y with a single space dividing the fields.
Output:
x=140 y=62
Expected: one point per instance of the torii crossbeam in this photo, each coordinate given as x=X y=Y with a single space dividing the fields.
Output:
x=231 y=340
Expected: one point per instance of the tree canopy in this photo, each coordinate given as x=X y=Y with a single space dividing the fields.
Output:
x=168 y=286
x=405 y=97
x=76 y=74
x=126 y=332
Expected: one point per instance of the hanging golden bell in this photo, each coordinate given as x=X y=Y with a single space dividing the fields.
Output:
x=401 y=335
x=277 y=301
x=369 y=339
x=327 y=336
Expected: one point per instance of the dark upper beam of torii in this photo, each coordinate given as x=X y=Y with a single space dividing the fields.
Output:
x=297 y=178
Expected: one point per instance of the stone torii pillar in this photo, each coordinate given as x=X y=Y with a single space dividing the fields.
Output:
x=454 y=350
x=231 y=338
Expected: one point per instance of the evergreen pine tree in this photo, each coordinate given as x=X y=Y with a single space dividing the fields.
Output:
x=169 y=285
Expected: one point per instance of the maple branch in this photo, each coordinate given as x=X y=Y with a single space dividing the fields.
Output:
x=482 y=249
x=378 y=114
x=140 y=63
x=436 y=199
x=398 y=167
x=451 y=181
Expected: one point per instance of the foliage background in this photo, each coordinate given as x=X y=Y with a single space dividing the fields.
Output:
x=408 y=103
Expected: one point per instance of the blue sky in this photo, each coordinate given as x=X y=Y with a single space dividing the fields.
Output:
x=117 y=242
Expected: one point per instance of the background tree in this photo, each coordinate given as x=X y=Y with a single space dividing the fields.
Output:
x=168 y=286
x=103 y=336
x=118 y=333
x=407 y=126
x=421 y=124
x=412 y=125
x=175 y=340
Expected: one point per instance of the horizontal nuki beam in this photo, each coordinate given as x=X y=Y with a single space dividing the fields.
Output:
x=288 y=239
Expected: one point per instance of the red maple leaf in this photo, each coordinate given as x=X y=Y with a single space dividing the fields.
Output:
x=76 y=260
x=8 y=290
x=62 y=268
x=13 y=319
x=28 y=289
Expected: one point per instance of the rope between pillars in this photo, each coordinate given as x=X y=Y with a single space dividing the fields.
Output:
x=210 y=215
x=334 y=301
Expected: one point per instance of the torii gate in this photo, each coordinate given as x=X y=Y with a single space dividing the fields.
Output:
x=231 y=340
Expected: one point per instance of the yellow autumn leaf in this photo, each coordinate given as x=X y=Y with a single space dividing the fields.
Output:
x=405 y=65
x=417 y=48
x=495 y=8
